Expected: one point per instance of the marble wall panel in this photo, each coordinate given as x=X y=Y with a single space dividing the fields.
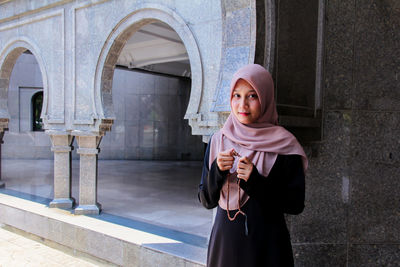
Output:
x=237 y=27
x=144 y=85
x=132 y=108
x=160 y=134
x=377 y=56
x=93 y=23
x=339 y=53
x=166 y=153
x=234 y=58
x=22 y=139
x=140 y=113
x=146 y=133
x=374 y=255
x=131 y=255
x=173 y=134
x=146 y=153
x=147 y=109
x=109 y=152
x=190 y=12
x=320 y=255
x=132 y=153
x=103 y=246
x=173 y=86
x=162 y=107
x=175 y=110
x=26 y=72
x=374 y=212
x=207 y=34
x=55 y=231
x=296 y=50
x=42 y=139
x=132 y=136
x=161 y=85
x=230 y=5
x=41 y=152
x=375 y=137
x=327 y=186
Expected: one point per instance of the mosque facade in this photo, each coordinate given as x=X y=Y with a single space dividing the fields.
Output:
x=335 y=65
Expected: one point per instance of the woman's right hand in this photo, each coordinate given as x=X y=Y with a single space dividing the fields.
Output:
x=225 y=159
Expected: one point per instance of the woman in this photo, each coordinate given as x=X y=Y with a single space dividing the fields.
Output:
x=254 y=172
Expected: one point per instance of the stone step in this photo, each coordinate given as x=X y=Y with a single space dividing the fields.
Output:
x=111 y=242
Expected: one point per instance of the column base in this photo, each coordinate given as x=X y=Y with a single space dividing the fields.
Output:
x=2 y=184
x=88 y=209
x=62 y=203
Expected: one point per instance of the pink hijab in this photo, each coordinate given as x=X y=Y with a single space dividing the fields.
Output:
x=261 y=141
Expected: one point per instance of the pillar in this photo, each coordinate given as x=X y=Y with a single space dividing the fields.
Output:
x=88 y=151
x=62 y=147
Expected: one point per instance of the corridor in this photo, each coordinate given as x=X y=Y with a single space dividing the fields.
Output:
x=155 y=193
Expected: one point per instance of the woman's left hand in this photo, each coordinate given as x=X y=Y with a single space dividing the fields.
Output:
x=244 y=168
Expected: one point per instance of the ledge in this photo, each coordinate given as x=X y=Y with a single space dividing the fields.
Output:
x=111 y=242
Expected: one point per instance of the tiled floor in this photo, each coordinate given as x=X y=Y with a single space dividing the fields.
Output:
x=162 y=193
x=17 y=250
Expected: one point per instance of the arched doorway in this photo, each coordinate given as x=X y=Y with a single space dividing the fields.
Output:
x=25 y=143
x=156 y=180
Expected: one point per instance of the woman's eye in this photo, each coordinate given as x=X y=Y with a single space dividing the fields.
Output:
x=253 y=96
x=236 y=95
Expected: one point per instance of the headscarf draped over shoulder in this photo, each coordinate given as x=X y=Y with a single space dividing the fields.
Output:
x=260 y=141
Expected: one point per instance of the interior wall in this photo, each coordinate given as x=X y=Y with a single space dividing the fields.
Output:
x=149 y=111
x=20 y=141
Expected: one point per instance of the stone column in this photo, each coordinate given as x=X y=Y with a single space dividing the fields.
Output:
x=61 y=146
x=88 y=151
x=2 y=184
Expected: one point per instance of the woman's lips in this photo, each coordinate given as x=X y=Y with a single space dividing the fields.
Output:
x=244 y=113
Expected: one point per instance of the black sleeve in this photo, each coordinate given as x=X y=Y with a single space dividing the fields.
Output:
x=211 y=183
x=284 y=188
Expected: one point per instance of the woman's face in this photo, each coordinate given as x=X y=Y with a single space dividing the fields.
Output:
x=245 y=103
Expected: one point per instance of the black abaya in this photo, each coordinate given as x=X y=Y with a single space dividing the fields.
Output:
x=268 y=240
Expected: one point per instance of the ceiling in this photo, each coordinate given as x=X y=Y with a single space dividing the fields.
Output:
x=156 y=47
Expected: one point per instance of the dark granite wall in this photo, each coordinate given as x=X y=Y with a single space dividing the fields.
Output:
x=295 y=55
x=352 y=215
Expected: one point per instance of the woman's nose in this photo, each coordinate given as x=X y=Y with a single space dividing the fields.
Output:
x=243 y=102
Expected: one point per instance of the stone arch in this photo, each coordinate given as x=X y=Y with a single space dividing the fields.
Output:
x=146 y=14
x=8 y=58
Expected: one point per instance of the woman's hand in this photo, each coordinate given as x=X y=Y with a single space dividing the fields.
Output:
x=244 y=168
x=225 y=159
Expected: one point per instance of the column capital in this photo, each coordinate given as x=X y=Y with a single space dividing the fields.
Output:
x=64 y=149
x=88 y=144
x=3 y=124
x=60 y=140
x=88 y=151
